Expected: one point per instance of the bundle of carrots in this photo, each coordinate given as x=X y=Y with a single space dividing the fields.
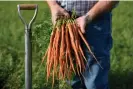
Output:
x=65 y=55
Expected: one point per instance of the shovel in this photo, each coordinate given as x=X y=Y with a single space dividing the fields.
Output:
x=28 y=43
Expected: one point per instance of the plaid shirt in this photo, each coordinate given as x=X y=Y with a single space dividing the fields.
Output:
x=80 y=6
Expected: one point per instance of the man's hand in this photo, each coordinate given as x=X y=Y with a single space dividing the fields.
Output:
x=82 y=21
x=58 y=12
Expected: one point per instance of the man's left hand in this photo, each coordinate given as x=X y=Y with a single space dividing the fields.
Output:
x=82 y=21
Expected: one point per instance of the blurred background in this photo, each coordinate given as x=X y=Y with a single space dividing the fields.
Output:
x=12 y=47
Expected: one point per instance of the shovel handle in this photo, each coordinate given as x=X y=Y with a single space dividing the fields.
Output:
x=28 y=6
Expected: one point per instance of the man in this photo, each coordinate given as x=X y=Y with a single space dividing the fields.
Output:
x=94 y=19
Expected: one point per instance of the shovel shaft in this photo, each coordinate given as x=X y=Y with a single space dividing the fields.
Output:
x=28 y=60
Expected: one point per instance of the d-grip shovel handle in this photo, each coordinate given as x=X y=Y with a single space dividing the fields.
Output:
x=28 y=6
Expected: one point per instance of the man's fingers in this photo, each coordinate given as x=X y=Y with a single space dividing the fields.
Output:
x=57 y=17
x=83 y=30
x=53 y=22
x=81 y=25
x=63 y=15
x=54 y=19
x=66 y=15
x=60 y=15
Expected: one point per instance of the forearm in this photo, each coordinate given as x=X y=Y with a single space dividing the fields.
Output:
x=52 y=4
x=101 y=7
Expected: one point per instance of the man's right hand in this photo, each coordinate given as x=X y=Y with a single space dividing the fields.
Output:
x=58 y=12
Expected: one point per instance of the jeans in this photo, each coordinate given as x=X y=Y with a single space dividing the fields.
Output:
x=98 y=35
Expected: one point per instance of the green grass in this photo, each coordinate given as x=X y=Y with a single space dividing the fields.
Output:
x=121 y=59
x=12 y=47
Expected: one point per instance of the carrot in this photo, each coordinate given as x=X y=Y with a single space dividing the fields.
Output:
x=82 y=53
x=51 y=58
x=51 y=43
x=53 y=80
x=82 y=61
x=56 y=56
x=69 y=51
x=79 y=49
x=75 y=30
x=65 y=69
x=64 y=54
x=77 y=68
x=69 y=72
x=56 y=51
x=81 y=35
x=45 y=55
x=49 y=50
x=73 y=45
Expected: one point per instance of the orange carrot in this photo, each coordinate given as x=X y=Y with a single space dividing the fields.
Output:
x=81 y=35
x=56 y=51
x=73 y=45
x=69 y=50
x=51 y=58
x=45 y=55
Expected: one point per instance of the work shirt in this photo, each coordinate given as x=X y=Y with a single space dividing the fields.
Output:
x=101 y=25
x=80 y=6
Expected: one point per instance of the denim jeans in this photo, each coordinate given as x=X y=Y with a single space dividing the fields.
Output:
x=98 y=35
